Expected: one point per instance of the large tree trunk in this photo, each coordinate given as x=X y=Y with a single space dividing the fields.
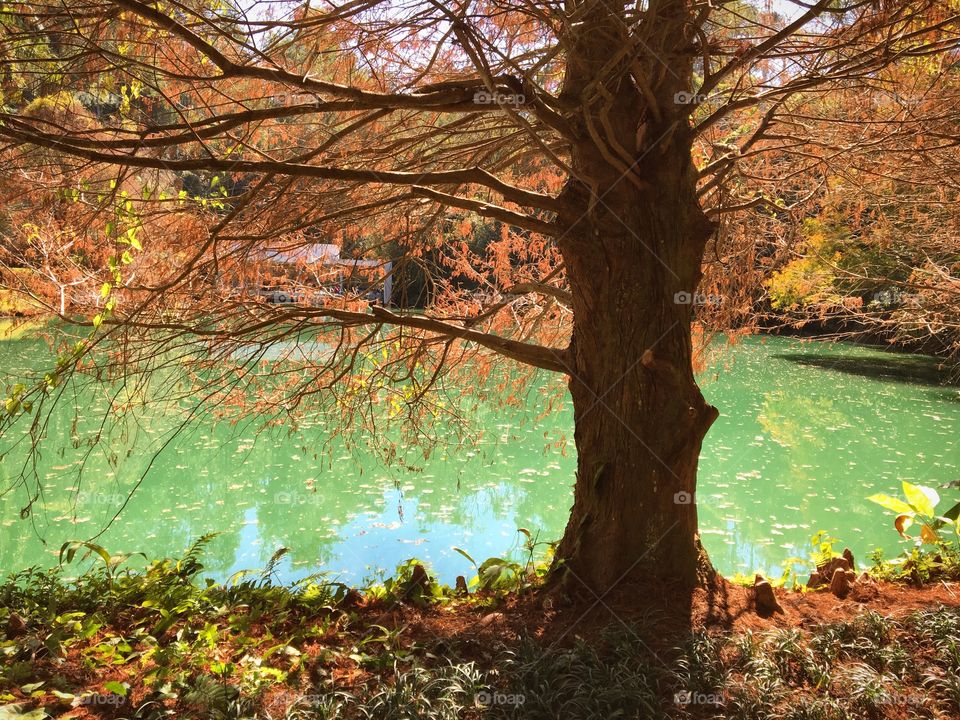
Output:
x=640 y=417
x=633 y=238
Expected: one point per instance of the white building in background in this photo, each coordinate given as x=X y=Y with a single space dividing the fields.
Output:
x=326 y=253
x=335 y=273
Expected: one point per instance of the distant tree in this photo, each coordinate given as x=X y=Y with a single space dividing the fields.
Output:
x=613 y=142
x=878 y=248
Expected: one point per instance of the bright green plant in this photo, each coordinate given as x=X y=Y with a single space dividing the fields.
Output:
x=823 y=548
x=919 y=507
x=500 y=575
x=495 y=574
x=407 y=585
x=111 y=562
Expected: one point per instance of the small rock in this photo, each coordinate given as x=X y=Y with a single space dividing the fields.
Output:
x=461 y=586
x=419 y=581
x=419 y=576
x=351 y=599
x=916 y=579
x=864 y=577
x=764 y=599
x=864 y=590
x=16 y=626
x=848 y=556
x=816 y=579
x=828 y=568
x=491 y=619
x=840 y=582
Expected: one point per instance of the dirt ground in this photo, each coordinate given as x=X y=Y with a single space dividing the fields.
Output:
x=726 y=608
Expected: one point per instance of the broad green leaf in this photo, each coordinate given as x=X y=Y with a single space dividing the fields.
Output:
x=69 y=549
x=116 y=688
x=922 y=499
x=494 y=563
x=890 y=503
x=466 y=555
x=16 y=712
x=953 y=513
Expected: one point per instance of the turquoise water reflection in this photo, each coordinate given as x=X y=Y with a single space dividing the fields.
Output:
x=807 y=431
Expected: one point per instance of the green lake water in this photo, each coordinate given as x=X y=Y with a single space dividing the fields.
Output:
x=807 y=431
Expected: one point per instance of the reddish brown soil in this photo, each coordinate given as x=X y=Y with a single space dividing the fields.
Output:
x=727 y=608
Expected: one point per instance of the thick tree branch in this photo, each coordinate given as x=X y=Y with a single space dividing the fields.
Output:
x=459 y=176
x=531 y=354
x=488 y=210
x=539 y=356
x=542 y=289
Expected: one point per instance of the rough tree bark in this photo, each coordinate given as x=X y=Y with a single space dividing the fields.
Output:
x=632 y=241
x=639 y=415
